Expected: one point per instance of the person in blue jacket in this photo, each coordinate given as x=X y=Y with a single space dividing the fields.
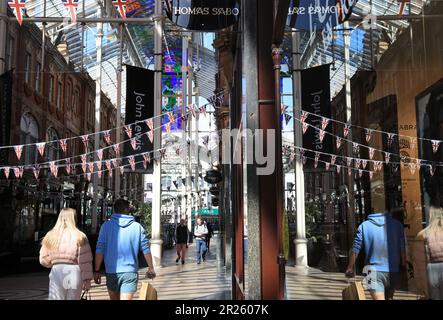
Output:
x=382 y=240
x=119 y=243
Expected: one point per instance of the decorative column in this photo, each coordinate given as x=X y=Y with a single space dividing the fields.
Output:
x=301 y=251
x=98 y=101
x=156 y=241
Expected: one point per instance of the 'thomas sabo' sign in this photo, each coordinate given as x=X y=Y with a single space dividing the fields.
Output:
x=204 y=15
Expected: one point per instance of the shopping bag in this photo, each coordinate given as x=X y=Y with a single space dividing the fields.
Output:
x=148 y=292
x=354 y=291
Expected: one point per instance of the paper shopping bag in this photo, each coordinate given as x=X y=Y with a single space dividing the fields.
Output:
x=354 y=291
x=148 y=292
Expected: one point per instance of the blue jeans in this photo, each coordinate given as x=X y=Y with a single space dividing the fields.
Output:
x=201 y=249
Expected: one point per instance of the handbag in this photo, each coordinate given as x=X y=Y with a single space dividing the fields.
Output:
x=86 y=295
x=148 y=292
x=354 y=291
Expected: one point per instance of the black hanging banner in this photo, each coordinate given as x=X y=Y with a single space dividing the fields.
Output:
x=139 y=106
x=204 y=15
x=316 y=98
x=5 y=114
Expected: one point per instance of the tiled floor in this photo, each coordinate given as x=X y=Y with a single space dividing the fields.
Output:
x=206 y=281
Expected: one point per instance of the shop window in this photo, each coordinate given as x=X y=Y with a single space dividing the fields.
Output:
x=10 y=54
x=59 y=95
x=53 y=149
x=28 y=68
x=29 y=134
x=38 y=69
x=51 y=88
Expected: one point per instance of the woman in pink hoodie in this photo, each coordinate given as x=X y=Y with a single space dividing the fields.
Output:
x=65 y=249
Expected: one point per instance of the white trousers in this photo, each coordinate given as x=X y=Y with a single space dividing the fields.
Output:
x=65 y=282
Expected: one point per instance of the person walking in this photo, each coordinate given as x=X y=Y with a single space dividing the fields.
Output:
x=210 y=234
x=65 y=249
x=382 y=239
x=200 y=233
x=432 y=236
x=181 y=238
x=119 y=242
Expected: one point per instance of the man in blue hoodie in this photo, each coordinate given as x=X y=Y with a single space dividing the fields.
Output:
x=119 y=243
x=382 y=239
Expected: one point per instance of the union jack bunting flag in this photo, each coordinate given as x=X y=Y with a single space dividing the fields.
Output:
x=412 y=167
x=91 y=167
x=71 y=6
x=355 y=147
x=364 y=163
x=349 y=162
x=387 y=157
x=99 y=165
x=333 y=159
x=346 y=129
x=360 y=173
x=171 y=118
x=6 y=171
x=85 y=140
x=327 y=164
x=17 y=6
x=36 y=170
x=117 y=150
x=128 y=131
x=147 y=157
x=114 y=162
x=151 y=136
x=168 y=128
x=150 y=124
x=321 y=135
x=99 y=174
x=18 y=151
x=100 y=154
x=304 y=116
x=390 y=139
x=122 y=170
x=108 y=165
x=41 y=148
x=317 y=157
x=305 y=127
x=120 y=5
x=131 y=161
x=338 y=167
x=54 y=168
x=191 y=110
x=203 y=110
x=107 y=136
x=88 y=176
x=68 y=166
x=371 y=153
x=17 y=173
x=324 y=123
x=64 y=145
x=435 y=145
x=162 y=153
x=368 y=135
x=134 y=143
x=371 y=174
x=431 y=170
x=339 y=140
x=358 y=163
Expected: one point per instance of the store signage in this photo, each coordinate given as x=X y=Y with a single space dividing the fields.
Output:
x=316 y=98
x=5 y=114
x=313 y=15
x=139 y=107
x=204 y=15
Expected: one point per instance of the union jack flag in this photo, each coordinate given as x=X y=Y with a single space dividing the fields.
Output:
x=371 y=174
x=368 y=135
x=54 y=168
x=435 y=145
x=321 y=135
x=203 y=110
x=85 y=140
x=91 y=167
x=88 y=176
x=151 y=136
x=171 y=118
x=68 y=166
x=346 y=130
x=99 y=174
x=108 y=165
x=117 y=150
x=371 y=153
x=120 y=5
x=71 y=6
x=338 y=142
x=6 y=171
x=387 y=157
x=338 y=169
x=324 y=123
x=431 y=170
x=36 y=171
x=99 y=165
x=355 y=147
x=41 y=148
x=327 y=164
x=304 y=116
x=128 y=131
x=100 y=154
x=333 y=159
x=305 y=127
x=364 y=163
x=134 y=143
x=132 y=162
x=147 y=157
x=150 y=124
x=17 y=6
x=64 y=145
x=191 y=109
x=107 y=136
x=18 y=151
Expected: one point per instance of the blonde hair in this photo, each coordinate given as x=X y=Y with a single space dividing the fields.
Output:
x=65 y=223
x=435 y=224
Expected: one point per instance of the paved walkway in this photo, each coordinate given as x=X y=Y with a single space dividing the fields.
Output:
x=207 y=281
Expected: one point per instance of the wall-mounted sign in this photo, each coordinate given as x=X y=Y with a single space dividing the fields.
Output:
x=312 y=15
x=204 y=15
